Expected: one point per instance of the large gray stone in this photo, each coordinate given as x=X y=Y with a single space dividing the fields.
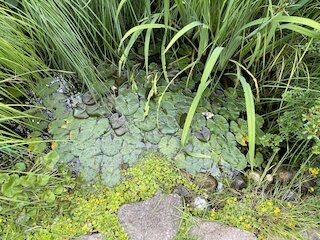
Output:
x=209 y=230
x=153 y=219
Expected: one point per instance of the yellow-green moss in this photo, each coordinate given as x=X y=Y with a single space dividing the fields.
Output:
x=94 y=208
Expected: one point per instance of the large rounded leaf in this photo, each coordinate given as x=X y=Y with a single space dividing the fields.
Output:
x=128 y=104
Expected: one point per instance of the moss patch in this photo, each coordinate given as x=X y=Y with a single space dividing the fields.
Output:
x=93 y=208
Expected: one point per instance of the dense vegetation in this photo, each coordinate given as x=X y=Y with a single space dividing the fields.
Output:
x=229 y=87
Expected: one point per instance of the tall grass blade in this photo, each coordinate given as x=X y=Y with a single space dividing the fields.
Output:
x=182 y=32
x=250 y=119
x=203 y=85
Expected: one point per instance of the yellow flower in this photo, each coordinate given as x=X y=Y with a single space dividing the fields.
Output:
x=235 y=199
x=54 y=145
x=212 y=214
x=289 y=205
x=269 y=203
x=277 y=210
x=311 y=189
x=314 y=171
x=229 y=201
x=241 y=218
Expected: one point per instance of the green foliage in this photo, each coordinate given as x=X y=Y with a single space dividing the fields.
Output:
x=94 y=208
x=266 y=217
x=297 y=102
x=311 y=127
x=25 y=192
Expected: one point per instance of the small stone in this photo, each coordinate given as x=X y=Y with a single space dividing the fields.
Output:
x=209 y=230
x=155 y=218
x=284 y=175
x=312 y=234
x=269 y=178
x=183 y=192
x=203 y=135
x=122 y=130
x=88 y=99
x=206 y=181
x=80 y=113
x=124 y=166
x=239 y=183
x=255 y=176
x=200 y=203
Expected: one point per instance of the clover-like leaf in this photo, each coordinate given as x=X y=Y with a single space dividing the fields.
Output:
x=198 y=122
x=169 y=145
x=100 y=128
x=50 y=160
x=36 y=145
x=20 y=166
x=127 y=104
x=168 y=108
x=230 y=111
x=216 y=147
x=230 y=93
x=240 y=130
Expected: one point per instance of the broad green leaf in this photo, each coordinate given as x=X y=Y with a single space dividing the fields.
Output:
x=127 y=105
x=30 y=180
x=168 y=124
x=43 y=180
x=48 y=196
x=169 y=146
x=12 y=186
x=111 y=145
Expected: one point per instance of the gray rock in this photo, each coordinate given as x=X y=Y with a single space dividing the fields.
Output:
x=95 y=236
x=209 y=230
x=312 y=234
x=156 y=218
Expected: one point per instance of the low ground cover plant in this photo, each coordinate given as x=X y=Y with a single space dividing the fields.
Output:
x=224 y=88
